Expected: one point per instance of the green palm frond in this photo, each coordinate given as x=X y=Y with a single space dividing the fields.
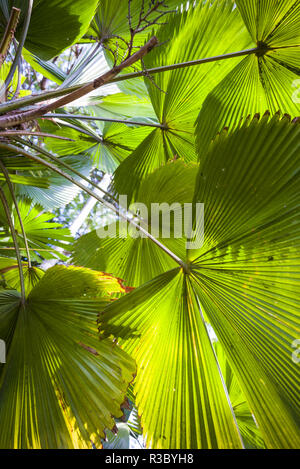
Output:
x=21 y=171
x=248 y=427
x=273 y=22
x=10 y=276
x=42 y=233
x=69 y=383
x=260 y=82
x=205 y=31
x=176 y=345
x=177 y=370
x=122 y=106
x=106 y=144
x=46 y=67
x=246 y=270
x=242 y=283
x=60 y=191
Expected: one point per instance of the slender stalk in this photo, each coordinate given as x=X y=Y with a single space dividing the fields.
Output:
x=30 y=249
x=103 y=119
x=21 y=44
x=16 y=246
x=18 y=150
x=9 y=33
x=12 y=192
x=11 y=121
x=63 y=91
x=192 y=63
x=15 y=133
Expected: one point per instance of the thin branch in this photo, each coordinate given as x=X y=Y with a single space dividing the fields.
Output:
x=15 y=241
x=151 y=23
x=13 y=120
x=9 y=33
x=21 y=44
x=150 y=77
x=19 y=103
x=153 y=7
x=5 y=248
x=14 y=133
x=104 y=119
x=192 y=63
x=11 y=189
x=130 y=28
x=104 y=202
x=129 y=14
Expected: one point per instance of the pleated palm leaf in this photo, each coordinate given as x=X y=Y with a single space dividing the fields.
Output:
x=224 y=91
x=42 y=235
x=242 y=283
x=60 y=386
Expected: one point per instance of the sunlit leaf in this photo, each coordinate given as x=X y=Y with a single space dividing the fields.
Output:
x=69 y=383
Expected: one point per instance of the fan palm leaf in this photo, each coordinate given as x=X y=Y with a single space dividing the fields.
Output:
x=204 y=31
x=242 y=282
x=60 y=386
x=262 y=81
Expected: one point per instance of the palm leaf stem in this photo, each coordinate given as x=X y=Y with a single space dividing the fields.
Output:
x=13 y=195
x=102 y=119
x=19 y=103
x=192 y=63
x=15 y=241
x=13 y=133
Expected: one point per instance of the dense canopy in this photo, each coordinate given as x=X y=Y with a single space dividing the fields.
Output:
x=120 y=331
